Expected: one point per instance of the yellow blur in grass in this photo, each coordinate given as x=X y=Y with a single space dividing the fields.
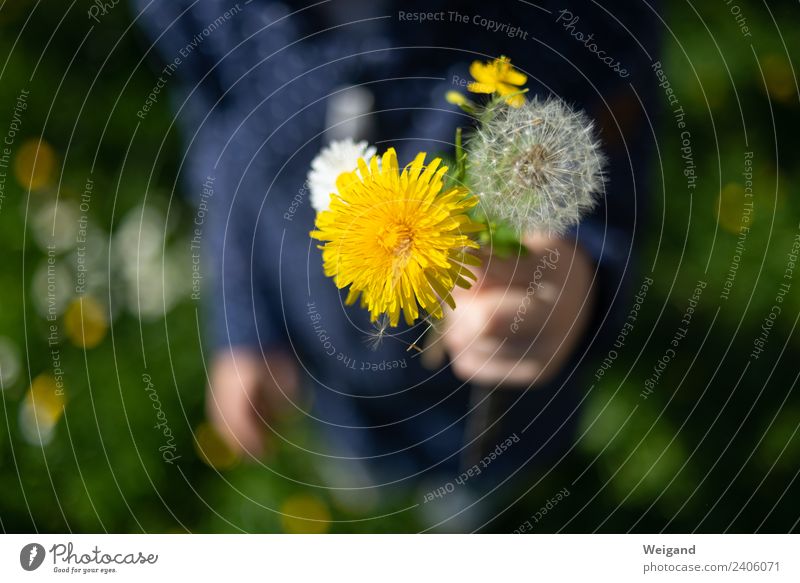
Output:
x=305 y=514
x=85 y=322
x=730 y=209
x=47 y=398
x=210 y=448
x=41 y=408
x=35 y=165
x=778 y=78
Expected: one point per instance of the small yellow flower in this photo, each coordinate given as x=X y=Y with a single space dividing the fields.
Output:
x=399 y=240
x=500 y=77
x=455 y=98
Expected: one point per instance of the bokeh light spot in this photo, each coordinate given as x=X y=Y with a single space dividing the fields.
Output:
x=212 y=449
x=778 y=78
x=35 y=165
x=305 y=514
x=9 y=362
x=41 y=409
x=730 y=206
x=85 y=322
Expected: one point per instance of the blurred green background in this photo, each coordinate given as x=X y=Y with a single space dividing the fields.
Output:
x=715 y=446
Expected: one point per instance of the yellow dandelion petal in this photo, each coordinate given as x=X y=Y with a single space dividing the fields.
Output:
x=477 y=87
x=398 y=239
x=455 y=98
x=482 y=72
x=514 y=77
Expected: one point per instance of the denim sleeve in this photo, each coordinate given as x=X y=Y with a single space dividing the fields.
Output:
x=217 y=171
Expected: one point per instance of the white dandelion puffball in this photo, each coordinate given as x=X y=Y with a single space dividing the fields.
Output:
x=334 y=159
x=536 y=167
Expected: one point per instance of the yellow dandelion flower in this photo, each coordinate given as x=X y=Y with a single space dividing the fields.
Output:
x=500 y=77
x=398 y=239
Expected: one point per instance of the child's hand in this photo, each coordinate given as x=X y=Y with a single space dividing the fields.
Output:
x=245 y=394
x=523 y=318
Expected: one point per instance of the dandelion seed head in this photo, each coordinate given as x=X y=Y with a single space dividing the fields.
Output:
x=537 y=167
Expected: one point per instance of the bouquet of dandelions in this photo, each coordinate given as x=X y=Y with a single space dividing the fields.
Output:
x=401 y=239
